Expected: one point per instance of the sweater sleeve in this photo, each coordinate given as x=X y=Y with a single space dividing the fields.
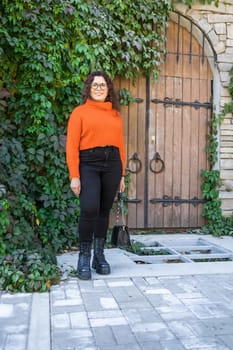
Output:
x=73 y=143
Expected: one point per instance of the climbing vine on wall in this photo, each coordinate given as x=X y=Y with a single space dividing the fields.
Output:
x=190 y=2
x=217 y=224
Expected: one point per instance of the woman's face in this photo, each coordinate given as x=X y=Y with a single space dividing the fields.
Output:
x=99 y=89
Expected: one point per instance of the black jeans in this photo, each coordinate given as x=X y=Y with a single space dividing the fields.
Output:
x=100 y=174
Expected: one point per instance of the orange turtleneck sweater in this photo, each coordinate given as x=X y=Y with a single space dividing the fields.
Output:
x=91 y=125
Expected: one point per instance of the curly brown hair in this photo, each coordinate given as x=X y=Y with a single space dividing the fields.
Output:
x=112 y=96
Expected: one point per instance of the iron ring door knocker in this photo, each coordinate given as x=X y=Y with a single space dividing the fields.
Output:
x=134 y=159
x=157 y=158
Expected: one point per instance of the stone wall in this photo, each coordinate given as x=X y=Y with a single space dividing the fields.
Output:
x=217 y=23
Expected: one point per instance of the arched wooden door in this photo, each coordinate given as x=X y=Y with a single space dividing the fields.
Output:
x=166 y=132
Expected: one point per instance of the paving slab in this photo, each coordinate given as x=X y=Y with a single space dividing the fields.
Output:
x=122 y=264
x=183 y=306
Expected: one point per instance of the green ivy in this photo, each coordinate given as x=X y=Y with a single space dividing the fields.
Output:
x=190 y=2
x=28 y=271
x=228 y=107
x=125 y=97
x=216 y=223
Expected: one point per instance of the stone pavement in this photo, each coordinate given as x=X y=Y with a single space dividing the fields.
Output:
x=176 y=309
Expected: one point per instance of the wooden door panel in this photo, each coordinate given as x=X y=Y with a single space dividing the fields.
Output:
x=141 y=150
x=185 y=153
x=168 y=152
x=151 y=152
x=156 y=144
x=177 y=159
x=132 y=148
x=134 y=134
x=194 y=153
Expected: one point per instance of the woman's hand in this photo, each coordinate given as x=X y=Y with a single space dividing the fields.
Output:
x=122 y=184
x=75 y=185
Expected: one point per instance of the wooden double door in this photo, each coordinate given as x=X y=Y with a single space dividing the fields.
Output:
x=165 y=131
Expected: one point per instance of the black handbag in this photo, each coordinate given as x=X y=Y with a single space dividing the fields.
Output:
x=120 y=232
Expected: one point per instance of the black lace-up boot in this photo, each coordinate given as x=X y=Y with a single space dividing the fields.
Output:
x=99 y=263
x=84 y=269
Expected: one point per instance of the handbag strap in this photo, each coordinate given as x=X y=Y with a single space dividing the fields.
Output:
x=120 y=212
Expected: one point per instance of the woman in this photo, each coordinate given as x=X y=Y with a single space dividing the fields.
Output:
x=96 y=162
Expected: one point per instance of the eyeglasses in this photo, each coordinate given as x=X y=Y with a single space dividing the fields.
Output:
x=102 y=86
